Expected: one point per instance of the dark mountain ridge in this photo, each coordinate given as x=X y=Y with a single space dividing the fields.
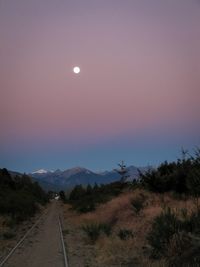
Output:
x=67 y=179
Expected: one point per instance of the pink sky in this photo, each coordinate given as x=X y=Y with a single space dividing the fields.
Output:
x=140 y=71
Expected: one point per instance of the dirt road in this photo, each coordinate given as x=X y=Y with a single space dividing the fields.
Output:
x=42 y=248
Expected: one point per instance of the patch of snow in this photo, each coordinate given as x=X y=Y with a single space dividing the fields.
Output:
x=41 y=171
x=87 y=171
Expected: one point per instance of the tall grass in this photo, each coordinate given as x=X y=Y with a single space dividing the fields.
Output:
x=93 y=230
x=176 y=238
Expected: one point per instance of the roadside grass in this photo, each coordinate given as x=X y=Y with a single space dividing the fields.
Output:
x=120 y=215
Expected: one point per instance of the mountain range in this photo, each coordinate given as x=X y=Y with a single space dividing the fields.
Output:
x=67 y=179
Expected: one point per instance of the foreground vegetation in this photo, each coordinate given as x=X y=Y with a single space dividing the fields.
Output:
x=19 y=197
x=153 y=222
x=181 y=177
x=87 y=199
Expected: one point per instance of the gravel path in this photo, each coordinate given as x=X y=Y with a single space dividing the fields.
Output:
x=42 y=248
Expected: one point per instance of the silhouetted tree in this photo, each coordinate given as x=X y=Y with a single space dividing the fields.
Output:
x=62 y=196
x=122 y=171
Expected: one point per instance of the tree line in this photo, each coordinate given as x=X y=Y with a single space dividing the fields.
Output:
x=20 y=197
x=181 y=176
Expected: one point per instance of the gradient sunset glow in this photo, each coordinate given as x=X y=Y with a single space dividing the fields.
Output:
x=136 y=97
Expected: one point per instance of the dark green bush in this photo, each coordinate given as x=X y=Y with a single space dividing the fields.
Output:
x=19 y=196
x=184 y=250
x=193 y=183
x=8 y=235
x=86 y=199
x=168 y=230
x=125 y=234
x=62 y=196
x=181 y=177
x=85 y=206
x=92 y=230
x=137 y=204
x=106 y=228
x=194 y=223
x=163 y=228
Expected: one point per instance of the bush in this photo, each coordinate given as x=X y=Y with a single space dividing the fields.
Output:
x=106 y=228
x=11 y=222
x=125 y=234
x=19 y=196
x=181 y=176
x=86 y=199
x=194 y=223
x=84 y=206
x=8 y=235
x=163 y=228
x=193 y=183
x=169 y=234
x=138 y=204
x=92 y=230
x=184 y=250
x=62 y=196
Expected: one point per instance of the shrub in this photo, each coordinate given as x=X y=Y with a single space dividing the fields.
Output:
x=125 y=234
x=184 y=250
x=8 y=235
x=62 y=196
x=181 y=176
x=86 y=199
x=168 y=230
x=194 y=222
x=11 y=222
x=19 y=196
x=85 y=206
x=159 y=181
x=184 y=213
x=163 y=228
x=66 y=232
x=22 y=206
x=92 y=230
x=138 y=204
x=193 y=183
x=106 y=228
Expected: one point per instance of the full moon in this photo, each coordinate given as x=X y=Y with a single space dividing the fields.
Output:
x=76 y=70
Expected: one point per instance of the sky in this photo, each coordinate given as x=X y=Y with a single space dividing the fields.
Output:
x=136 y=97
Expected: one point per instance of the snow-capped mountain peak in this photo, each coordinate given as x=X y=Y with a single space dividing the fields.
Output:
x=41 y=171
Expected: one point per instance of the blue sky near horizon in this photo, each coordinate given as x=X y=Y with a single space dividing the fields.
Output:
x=98 y=157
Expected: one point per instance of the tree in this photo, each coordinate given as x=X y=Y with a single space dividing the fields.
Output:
x=77 y=192
x=193 y=184
x=62 y=196
x=122 y=171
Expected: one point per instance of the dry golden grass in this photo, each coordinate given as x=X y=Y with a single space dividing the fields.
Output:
x=112 y=251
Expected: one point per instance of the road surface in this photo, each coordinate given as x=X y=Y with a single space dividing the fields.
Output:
x=42 y=247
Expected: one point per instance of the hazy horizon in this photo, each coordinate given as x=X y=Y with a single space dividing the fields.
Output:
x=136 y=97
